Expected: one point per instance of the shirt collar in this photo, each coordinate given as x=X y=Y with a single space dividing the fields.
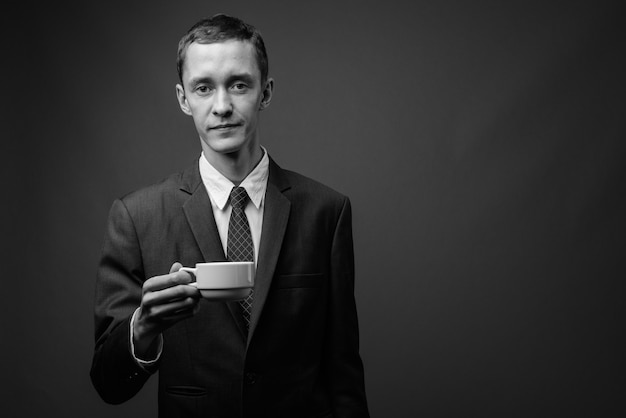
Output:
x=219 y=187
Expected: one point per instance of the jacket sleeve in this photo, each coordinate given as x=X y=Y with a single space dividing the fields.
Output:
x=114 y=372
x=344 y=365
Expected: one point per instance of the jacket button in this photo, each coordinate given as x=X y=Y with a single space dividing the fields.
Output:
x=251 y=378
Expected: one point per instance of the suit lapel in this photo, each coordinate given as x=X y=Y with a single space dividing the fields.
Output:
x=275 y=217
x=202 y=223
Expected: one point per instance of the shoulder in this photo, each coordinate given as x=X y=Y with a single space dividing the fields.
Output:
x=311 y=195
x=303 y=184
x=170 y=191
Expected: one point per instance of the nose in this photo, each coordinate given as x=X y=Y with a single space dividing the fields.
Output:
x=222 y=104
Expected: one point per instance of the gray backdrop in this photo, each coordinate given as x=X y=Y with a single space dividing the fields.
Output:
x=481 y=143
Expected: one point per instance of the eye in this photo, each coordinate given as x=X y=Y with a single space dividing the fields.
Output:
x=240 y=86
x=202 y=89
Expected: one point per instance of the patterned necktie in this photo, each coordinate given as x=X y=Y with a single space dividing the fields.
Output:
x=239 y=246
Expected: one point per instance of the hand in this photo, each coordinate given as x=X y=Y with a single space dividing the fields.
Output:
x=165 y=300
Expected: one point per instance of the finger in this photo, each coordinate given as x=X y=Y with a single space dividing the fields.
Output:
x=169 y=295
x=175 y=267
x=166 y=311
x=182 y=313
x=195 y=308
x=167 y=280
x=179 y=316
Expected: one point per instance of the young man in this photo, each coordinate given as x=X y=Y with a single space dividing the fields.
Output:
x=294 y=353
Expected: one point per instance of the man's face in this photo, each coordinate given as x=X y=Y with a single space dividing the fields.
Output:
x=222 y=91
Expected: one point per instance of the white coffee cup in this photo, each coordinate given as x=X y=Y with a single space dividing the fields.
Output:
x=228 y=280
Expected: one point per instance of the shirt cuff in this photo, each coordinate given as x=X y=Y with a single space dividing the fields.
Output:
x=144 y=364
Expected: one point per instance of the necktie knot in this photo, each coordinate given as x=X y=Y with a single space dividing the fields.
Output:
x=238 y=197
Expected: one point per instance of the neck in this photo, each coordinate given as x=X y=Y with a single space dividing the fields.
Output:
x=235 y=166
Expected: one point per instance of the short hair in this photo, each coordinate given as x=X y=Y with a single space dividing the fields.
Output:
x=221 y=28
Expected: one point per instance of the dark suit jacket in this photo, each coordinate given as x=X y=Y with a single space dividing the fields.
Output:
x=301 y=357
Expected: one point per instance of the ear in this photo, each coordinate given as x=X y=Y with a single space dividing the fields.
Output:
x=182 y=100
x=266 y=98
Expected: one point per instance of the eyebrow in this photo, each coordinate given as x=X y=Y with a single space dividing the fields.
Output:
x=247 y=77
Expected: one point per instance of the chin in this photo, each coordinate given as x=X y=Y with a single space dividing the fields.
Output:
x=225 y=145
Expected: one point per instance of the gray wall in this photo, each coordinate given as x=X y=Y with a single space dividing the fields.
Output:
x=482 y=146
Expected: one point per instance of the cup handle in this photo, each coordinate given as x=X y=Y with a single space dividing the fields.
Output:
x=191 y=270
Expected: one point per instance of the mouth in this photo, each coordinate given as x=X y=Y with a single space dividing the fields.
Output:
x=224 y=126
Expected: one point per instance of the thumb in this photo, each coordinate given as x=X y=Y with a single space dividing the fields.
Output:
x=175 y=267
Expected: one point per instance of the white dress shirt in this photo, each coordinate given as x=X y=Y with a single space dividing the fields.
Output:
x=219 y=187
